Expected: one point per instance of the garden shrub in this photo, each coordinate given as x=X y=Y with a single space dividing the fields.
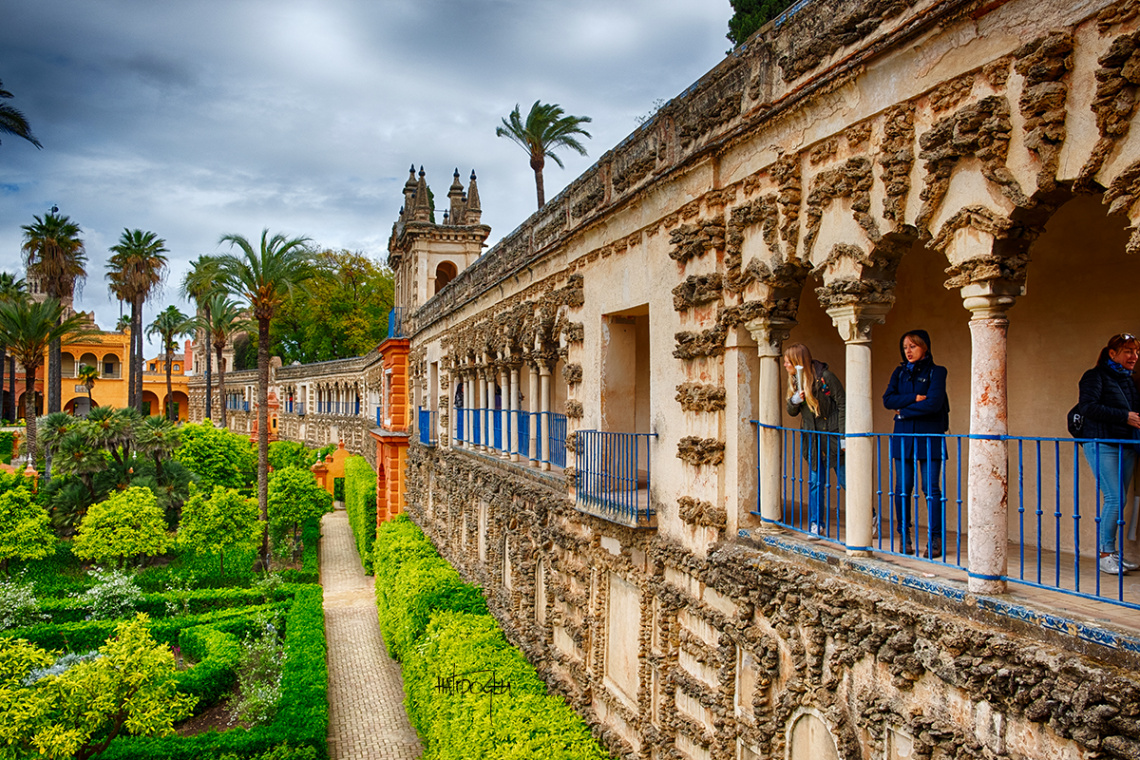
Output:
x=114 y=595
x=128 y=524
x=25 y=527
x=7 y=446
x=218 y=456
x=310 y=571
x=360 y=503
x=438 y=626
x=18 y=604
x=219 y=522
x=284 y=454
x=260 y=668
x=294 y=497
x=217 y=654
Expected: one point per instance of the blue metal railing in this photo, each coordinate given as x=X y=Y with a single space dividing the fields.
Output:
x=497 y=429
x=614 y=473
x=428 y=423
x=379 y=421
x=460 y=415
x=557 y=439
x=1051 y=494
x=300 y=408
x=245 y=406
x=396 y=323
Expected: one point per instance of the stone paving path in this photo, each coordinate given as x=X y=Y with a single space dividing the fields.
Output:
x=366 y=692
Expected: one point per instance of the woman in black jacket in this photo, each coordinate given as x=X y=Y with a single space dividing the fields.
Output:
x=917 y=396
x=821 y=405
x=1110 y=405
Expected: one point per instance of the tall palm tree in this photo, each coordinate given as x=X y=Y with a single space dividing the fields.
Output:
x=54 y=254
x=13 y=122
x=11 y=289
x=546 y=127
x=87 y=377
x=220 y=319
x=200 y=283
x=264 y=278
x=28 y=328
x=168 y=326
x=136 y=269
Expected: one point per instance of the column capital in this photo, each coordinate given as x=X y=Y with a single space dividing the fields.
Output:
x=855 y=320
x=990 y=299
x=770 y=333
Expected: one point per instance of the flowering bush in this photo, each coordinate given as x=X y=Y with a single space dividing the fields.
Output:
x=259 y=676
x=114 y=595
x=18 y=604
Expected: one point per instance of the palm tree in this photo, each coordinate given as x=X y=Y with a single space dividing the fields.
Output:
x=547 y=127
x=220 y=319
x=28 y=328
x=12 y=121
x=54 y=254
x=87 y=376
x=123 y=323
x=169 y=325
x=264 y=278
x=11 y=289
x=135 y=270
x=199 y=284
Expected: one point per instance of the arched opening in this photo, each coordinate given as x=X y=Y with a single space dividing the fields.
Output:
x=444 y=273
x=20 y=407
x=150 y=404
x=67 y=364
x=112 y=367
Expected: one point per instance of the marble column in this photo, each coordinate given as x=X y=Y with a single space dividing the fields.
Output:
x=533 y=406
x=854 y=322
x=503 y=412
x=988 y=491
x=544 y=410
x=770 y=334
x=481 y=381
x=513 y=415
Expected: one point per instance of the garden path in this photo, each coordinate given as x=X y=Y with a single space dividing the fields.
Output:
x=367 y=720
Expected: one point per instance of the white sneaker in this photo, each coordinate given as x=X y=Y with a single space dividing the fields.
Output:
x=1110 y=563
x=813 y=532
x=1129 y=565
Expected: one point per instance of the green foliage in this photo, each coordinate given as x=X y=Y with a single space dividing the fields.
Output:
x=310 y=571
x=129 y=524
x=18 y=603
x=25 y=528
x=260 y=670
x=284 y=454
x=439 y=627
x=294 y=496
x=749 y=15
x=360 y=503
x=226 y=521
x=114 y=595
x=218 y=456
x=338 y=489
x=341 y=312
x=217 y=654
x=77 y=713
x=7 y=446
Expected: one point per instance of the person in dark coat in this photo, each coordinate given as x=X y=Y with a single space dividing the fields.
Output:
x=1110 y=405
x=917 y=396
x=821 y=405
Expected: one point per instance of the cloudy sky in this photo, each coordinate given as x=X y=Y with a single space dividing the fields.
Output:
x=203 y=117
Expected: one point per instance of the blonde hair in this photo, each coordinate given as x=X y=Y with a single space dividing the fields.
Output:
x=799 y=355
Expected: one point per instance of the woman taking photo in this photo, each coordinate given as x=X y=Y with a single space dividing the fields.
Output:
x=1109 y=403
x=917 y=396
x=816 y=396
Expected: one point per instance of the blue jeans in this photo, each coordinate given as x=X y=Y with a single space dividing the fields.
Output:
x=931 y=486
x=819 y=486
x=1113 y=466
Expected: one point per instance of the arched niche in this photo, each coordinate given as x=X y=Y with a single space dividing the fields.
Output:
x=810 y=739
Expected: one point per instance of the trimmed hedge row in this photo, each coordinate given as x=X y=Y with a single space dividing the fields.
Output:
x=218 y=654
x=310 y=571
x=360 y=503
x=198 y=601
x=302 y=716
x=439 y=628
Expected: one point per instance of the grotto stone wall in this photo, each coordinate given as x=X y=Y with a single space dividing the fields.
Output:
x=734 y=646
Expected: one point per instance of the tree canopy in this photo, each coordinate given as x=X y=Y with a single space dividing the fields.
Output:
x=219 y=522
x=129 y=524
x=546 y=128
x=749 y=15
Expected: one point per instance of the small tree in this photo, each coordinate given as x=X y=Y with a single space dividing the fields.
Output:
x=294 y=496
x=25 y=527
x=87 y=377
x=129 y=524
x=218 y=456
x=226 y=521
x=76 y=713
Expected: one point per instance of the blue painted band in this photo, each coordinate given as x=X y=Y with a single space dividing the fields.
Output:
x=984 y=577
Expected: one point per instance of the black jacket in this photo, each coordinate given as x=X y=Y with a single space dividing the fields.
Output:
x=1105 y=401
x=928 y=379
x=832 y=399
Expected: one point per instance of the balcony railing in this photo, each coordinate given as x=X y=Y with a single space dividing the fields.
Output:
x=428 y=424
x=1056 y=499
x=396 y=323
x=614 y=474
x=379 y=419
x=498 y=428
x=300 y=407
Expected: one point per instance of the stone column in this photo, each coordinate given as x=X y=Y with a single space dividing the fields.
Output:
x=741 y=370
x=988 y=491
x=469 y=400
x=534 y=408
x=544 y=409
x=481 y=381
x=514 y=413
x=854 y=322
x=770 y=334
x=504 y=417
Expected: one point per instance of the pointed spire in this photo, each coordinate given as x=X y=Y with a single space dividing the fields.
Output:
x=474 y=211
x=455 y=195
x=421 y=212
x=410 y=188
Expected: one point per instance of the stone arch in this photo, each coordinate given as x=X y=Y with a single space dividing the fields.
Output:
x=445 y=272
x=808 y=737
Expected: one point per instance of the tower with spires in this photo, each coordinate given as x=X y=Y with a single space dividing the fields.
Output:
x=426 y=254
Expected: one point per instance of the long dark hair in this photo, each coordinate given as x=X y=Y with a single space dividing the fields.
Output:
x=1115 y=343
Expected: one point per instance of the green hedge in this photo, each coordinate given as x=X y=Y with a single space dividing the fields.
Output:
x=195 y=602
x=438 y=626
x=218 y=654
x=360 y=503
x=7 y=443
x=302 y=716
x=310 y=571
